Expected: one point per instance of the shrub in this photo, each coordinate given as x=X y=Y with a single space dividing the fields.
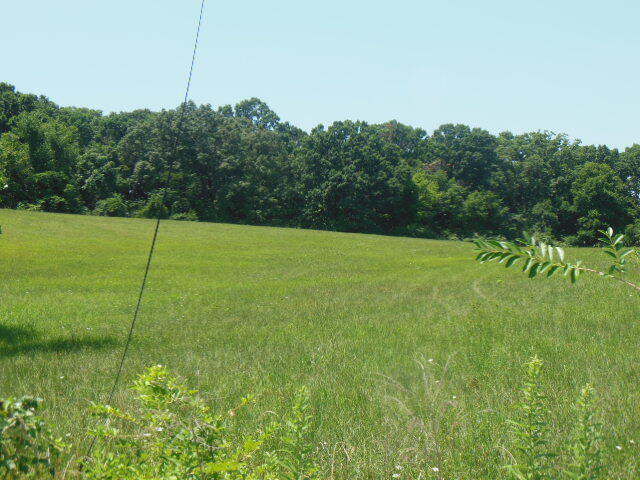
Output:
x=27 y=447
x=173 y=434
x=530 y=429
x=531 y=448
x=154 y=208
x=585 y=453
x=115 y=206
x=190 y=216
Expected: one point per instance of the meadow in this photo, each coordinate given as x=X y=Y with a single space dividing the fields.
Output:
x=412 y=352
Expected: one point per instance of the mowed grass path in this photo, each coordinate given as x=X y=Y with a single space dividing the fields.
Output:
x=240 y=310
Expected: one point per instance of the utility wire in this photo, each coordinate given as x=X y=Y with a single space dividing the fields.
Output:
x=172 y=162
x=173 y=151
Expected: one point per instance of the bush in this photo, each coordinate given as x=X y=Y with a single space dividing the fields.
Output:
x=115 y=206
x=172 y=434
x=27 y=447
x=534 y=459
x=190 y=216
x=154 y=208
x=169 y=434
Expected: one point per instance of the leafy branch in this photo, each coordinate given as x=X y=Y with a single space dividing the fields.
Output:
x=538 y=258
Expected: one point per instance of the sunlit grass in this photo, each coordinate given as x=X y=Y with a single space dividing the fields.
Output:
x=240 y=310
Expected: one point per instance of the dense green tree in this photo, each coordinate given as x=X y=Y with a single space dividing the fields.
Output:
x=14 y=103
x=38 y=158
x=258 y=112
x=355 y=180
x=243 y=164
x=466 y=155
x=98 y=174
x=628 y=168
x=440 y=205
x=484 y=213
x=600 y=200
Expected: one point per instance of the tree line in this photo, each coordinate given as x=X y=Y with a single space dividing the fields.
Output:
x=243 y=164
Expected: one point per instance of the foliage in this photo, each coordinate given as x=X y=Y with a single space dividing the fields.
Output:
x=154 y=207
x=540 y=258
x=114 y=206
x=585 y=452
x=295 y=456
x=531 y=431
x=173 y=434
x=27 y=447
x=243 y=164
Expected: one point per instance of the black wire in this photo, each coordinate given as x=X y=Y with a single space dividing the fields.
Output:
x=172 y=154
x=159 y=216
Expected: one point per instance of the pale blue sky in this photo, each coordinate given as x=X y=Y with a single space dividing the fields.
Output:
x=564 y=65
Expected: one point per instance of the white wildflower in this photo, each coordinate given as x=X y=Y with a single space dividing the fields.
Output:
x=435 y=469
x=619 y=447
x=396 y=475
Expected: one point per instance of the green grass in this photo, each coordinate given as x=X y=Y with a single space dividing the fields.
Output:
x=240 y=310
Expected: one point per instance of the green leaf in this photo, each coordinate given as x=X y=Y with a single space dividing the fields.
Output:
x=511 y=261
x=504 y=256
x=552 y=270
x=610 y=232
x=483 y=257
x=574 y=274
x=543 y=267
x=492 y=256
x=625 y=252
x=534 y=270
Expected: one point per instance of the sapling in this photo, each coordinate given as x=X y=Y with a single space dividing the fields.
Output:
x=530 y=429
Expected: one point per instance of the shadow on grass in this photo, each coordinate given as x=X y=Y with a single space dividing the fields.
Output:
x=23 y=341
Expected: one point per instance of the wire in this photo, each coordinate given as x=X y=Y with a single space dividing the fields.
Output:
x=159 y=216
x=172 y=162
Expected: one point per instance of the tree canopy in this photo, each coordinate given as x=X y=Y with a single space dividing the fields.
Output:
x=243 y=164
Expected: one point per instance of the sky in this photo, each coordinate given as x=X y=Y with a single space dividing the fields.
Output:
x=519 y=65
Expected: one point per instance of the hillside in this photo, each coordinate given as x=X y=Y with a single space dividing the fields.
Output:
x=238 y=309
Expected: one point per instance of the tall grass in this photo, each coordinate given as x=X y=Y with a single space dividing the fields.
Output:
x=239 y=309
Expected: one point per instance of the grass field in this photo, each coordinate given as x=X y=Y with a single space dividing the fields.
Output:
x=239 y=310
